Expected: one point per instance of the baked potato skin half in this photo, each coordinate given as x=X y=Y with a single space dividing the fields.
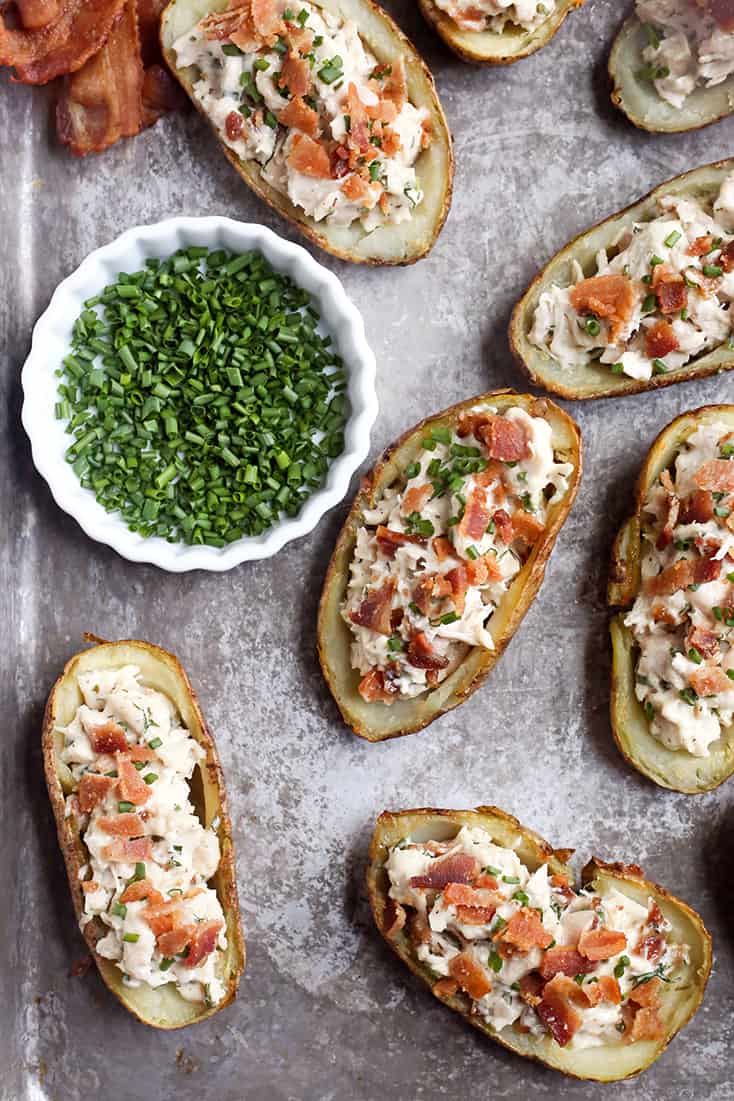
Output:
x=595 y=1064
x=163 y=1007
x=673 y=769
x=488 y=47
x=638 y=100
x=388 y=245
x=578 y=382
x=377 y=721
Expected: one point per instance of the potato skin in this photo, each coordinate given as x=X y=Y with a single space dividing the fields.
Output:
x=641 y=103
x=672 y=769
x=598 y=1064
x=375 y=722
x=586 y=382
x=318 y=233
x=487 y=48
x=162 y=1008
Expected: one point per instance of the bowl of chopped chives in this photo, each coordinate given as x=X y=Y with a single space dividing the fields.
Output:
x=199 y=393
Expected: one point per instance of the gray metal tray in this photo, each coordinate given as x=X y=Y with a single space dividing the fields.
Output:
x=325 y=1011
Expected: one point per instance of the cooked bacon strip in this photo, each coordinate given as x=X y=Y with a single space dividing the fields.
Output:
x=175 y=941
x=93 y=790
x=375 y=687
x=557 y=1008
x=660 y=340
x=701 y=246
x=394 y=919
x=234 y=126
x=132 y=786
x=141 y=753
x=646 y=1025
x=564 y=959
x=601 y=943
x=461 y=894
x=128 y=851
x=483 y=569
x=726 y=257
x=35 y=14
x=531 y=988
x=389 y=540
x=710 y=680
x=455 y=868
x=445 y=988
x=421 y=655
x=442 y=547
x=526 y=527
x=608 y=296
x=203 y=942
x=416 y=497
x=122 y=825
x=161 y=94
x=375 y=610
x=431 y=588
x=477 y=515
x=672 y=509
x=163 y=917
x=295 y=75
x=108 y=738
x=300 y=116
x=504 y=439
x=470 y=975
x=716 y=475
x=524 y=931
x=681 y=574
x=605 y=989
x=140 y=889
x=61 y=46
x=503 y=524
x=703 y=640
x=309 y=158
x=722 y=12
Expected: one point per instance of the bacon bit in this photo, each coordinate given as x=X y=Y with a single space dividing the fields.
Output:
x=470 y=423
x=431 y=588
x=389 y=540
x=531 y=988
x=660 y=340
x=470 y=975
x=300 y=38
x=374 y=687
x=716 y=475
x=358 y=191
x=309 y=158
x=203 y=942
x=476 y=515
x=647 y=993
x=295 y=75
x=445 y=988
x=394 y=919
x=108 y=738
x=133 y=787
x=672 y=509
x=391 y=143
x=89 y=886
x=607 y=296
x=492 y=476
x=601 y=943
x=93 y=790
x=504 y=439
x=646 y=1025
x=418 y=929
x=706 y=569
x=416 y=497
x=701 y=246
x=458 y=580
x=526 y=527
x=174 y=942
x=703 y=640
x=122 y=825
x=722 y=12
x=455 y=868
x=139 y=889
x=487 y=881
x=421 y=655
x=59 y=45
x=483 y=569
x=609 y=987
x=375 y=610
x=163 y=917
x=442 y=547
x=141 y=753
x=556 y=1008
x=564 y=959
x=358 y=137
x=524 y=931
x=561 y=885
x=726 y=257
x=681 y=574
x=234 y=125
x=503 y=524
x=393 y=82
x=461 y=894
x=710 y=680
x=670 y=288
x=128 y=851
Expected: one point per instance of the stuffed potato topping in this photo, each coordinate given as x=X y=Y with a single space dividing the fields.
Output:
x=443 y=550
x=673 y=573
x=140 y=808
x=328 y=113
x=593 y=980
x=496 y=32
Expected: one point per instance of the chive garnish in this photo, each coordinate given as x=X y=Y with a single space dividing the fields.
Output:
x=155 y=743
x=672 y=238
x=592 y=326
x=124 y=807
x=472 y=552
x=119 y=909
x=139 y=871
x=150 y=777
x=658 y=367
x=649 y=303
x=694 y=655
x=495 y=960
x=510 y=879
x=131 y=938
x=624 y=961
x=166 y=963
x=712 y=270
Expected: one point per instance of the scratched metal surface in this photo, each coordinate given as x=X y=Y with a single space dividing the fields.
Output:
x=324 y=1011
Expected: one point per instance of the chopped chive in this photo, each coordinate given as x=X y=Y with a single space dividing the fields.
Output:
x=166 y=963
x=672 y=238
x=495 y=960
x=472 y=552
x=694 y=655
x=712 y=270
x=658 y=367
x=155 y=742
x=649 y=303
x=592 y=326
x=131 y=938
x=139 y=871
x=510 y=879
x=125 y=807
x=119 y=909
x=622 y=962
x=150 y=777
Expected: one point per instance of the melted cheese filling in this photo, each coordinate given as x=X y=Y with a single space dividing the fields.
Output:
x=686 y=50
x=185 y=855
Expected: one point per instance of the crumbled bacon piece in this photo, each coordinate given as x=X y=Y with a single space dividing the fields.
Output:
x=488 y=881
x=470 y=975
x=670 y=288
x=141 y=753
x=526 y=527
x=646 y=1025
x=557 y=1008
x=309 y=157
x=483 y=569
x=203 y=942
x=458 y=580
x=524 y=931
x=681 y=574
x=647 y=993
x=416 y=497
x=128 y=850
x=133 y=787
x=605 y=989
x=703 y=640
x=504 y=439
x=108 y=738
x=701 y=246
x=393 y=82
x=454 y=868
x=503 y=525
x=726 y=257
x=122 y=825
x=295 y=75
x=722 y=12
x=445 y=988
x=476 y=516
x=89 y=886
x=564 y=959
x=601 y=943
x=175 y=941
x=660 y=340
x=234 y=125
x=140 y=889
x=375 y=610
x=376 y=687
x=389 y=540
x=418 y=929
x=531 y=988
x=394 y=919
x=358 y=137
x=672 y=509
x=421 y=655
x=716 y=475
x=710 y=680
x=93 y=789
x=608 y=296
x=481 y=901
x=431 y=587
x=442 y=547
x=163 y=917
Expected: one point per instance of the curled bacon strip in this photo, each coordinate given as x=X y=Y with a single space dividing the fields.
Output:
x=62 y=46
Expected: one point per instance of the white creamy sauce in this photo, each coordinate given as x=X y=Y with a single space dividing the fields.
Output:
x=185 y=855
x=495 y=15
x=706 y=321
x=524 y=483
x=564 y=918
x=225 y=86
x=687 y=49
x=679 y=717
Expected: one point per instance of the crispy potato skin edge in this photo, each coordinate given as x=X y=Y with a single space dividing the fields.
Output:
x=442 y=24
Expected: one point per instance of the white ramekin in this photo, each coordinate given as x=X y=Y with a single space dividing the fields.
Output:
x=51 y=341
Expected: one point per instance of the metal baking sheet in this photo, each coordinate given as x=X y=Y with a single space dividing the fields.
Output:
x=325 y=1012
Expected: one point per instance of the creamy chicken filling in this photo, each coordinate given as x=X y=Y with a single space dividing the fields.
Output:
x=661 y=296
x=683 y=617
x=437 y=553
x=530 y=952
x=495 y=15
x=150 y=857
x=300 y=94
x=690 y=45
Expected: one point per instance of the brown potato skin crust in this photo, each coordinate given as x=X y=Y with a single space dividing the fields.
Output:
x=75 y=852
x=531 y=586
x=443 y=25
x=377 y=884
